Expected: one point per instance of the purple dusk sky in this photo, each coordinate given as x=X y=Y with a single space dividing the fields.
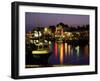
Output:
x=48 y=19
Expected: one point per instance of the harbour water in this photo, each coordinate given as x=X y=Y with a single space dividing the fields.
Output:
x=67 y=54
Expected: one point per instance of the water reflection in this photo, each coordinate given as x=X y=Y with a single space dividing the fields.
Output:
x=64 y=53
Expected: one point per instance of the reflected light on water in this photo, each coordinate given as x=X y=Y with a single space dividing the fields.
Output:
x=56 y=50
x=61 y=53
x=63 y=50
x=66 y=47
x=86 y=50
x=69 y=48
x=77 y=50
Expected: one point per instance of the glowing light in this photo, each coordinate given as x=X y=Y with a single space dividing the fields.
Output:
x=40 y=34
x=45 y=41
x=49 y=42
x=36 y=34
x=68 y=33
x=40 y=43
x=40 y=52
x=45 y=29
x=31 y=41
x=37 y=40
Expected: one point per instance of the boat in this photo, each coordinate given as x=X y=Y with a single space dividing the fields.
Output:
x=39 y=46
